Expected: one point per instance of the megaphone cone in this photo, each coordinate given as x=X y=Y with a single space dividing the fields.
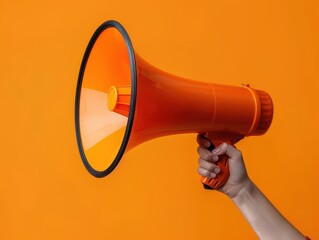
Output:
x=123 y=101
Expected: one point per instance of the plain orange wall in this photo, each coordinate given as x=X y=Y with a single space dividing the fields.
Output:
x=45 y=191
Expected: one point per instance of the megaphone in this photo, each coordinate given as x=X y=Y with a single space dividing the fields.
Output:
x=123 y=101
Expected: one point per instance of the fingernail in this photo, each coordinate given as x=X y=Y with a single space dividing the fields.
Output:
x=212 y=175
x=217 y=170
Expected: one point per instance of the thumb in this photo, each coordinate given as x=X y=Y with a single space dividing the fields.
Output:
x=227 y=149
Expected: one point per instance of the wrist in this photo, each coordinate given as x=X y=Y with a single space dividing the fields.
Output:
x=246 y=190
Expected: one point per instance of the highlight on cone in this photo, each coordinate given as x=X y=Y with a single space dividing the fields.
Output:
x=123 y=101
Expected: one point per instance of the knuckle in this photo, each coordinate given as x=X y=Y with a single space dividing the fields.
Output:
x=207 y=156
x=200 y=150
x=211 y=168
x=238 y=153
x=224 y=145
x=200 y=171
x=204 y=164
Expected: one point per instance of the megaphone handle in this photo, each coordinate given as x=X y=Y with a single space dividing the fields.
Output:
x=222 y=177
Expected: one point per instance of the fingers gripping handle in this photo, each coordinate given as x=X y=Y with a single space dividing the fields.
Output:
x=222 y=177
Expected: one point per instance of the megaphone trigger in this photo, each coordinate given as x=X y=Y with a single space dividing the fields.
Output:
x=211 y=146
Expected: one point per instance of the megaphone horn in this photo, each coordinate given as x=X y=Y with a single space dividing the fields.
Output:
x=123 y=101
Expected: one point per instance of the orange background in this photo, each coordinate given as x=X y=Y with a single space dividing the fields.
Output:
x=45 y=191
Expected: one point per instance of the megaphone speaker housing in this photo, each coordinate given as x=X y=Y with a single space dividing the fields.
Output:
x=123 y=101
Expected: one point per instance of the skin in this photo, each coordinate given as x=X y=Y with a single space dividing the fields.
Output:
x=263 y=217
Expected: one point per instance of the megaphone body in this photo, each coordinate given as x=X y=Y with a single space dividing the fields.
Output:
x=155 y=104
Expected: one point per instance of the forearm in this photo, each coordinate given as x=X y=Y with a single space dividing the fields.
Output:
x=264 y=218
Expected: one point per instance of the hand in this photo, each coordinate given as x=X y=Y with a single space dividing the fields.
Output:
x=264 y=218
x=238 y=178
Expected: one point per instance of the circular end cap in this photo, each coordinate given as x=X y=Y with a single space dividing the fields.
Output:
x=266 y=112
x=112 y=98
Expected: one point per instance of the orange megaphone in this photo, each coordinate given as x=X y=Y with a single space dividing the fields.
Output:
x=123 y=101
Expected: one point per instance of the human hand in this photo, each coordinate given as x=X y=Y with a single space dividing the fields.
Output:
x=238 y=178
